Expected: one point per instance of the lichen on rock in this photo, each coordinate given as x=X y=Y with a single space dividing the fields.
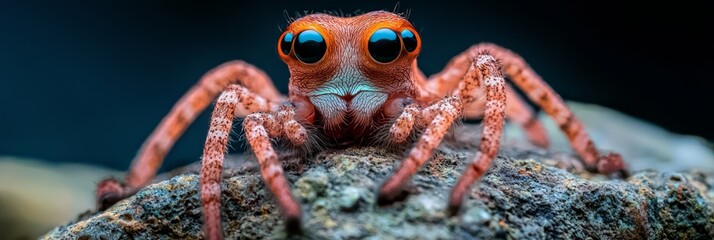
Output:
x=528 y=193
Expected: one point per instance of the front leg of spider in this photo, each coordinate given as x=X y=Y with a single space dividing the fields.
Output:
x=484 y=71
x=255 y=89
x=259 y=128
x=494 y=118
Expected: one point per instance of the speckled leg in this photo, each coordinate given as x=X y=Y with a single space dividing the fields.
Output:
x=517 y=111
x=259 y=128
x=539 y=92
x=490 y=76
x=405 y=123
x=485 y=71
x=446 y=82
x=212 y=162
x=439 y=117
x=259 y=94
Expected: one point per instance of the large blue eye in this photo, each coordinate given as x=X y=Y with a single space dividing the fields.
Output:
x=384 y=45
x=310 y=46
x=409 y=39
x=286 y=43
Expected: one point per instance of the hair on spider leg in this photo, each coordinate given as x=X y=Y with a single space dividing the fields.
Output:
x=316 y=140
x=236 y=134
x=382 y=138
x=486 y=52
x=450 y=136
x=294 y=157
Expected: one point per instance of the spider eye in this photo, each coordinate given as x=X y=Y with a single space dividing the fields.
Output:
x=409 y=39
x=384 y=45
x=310 y=46
x=286 y=43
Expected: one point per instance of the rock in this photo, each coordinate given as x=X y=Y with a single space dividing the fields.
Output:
x=529 y=193
x=642 y=144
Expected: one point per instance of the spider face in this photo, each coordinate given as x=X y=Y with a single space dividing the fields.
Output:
x=346 y=69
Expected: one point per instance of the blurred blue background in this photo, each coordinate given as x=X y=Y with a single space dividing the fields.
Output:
x=87 y=81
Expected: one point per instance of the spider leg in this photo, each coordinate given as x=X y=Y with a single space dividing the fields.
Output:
x=256 y=127
x=545 y=97
x=212 y=162
x=405 y=123
x=539 y=92
x=259 y=95
x=517 y=110
x=494 y=118
x=484 y=70
x=259 y=128
x=439 y=117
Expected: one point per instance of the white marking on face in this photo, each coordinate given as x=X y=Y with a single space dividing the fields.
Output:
x=348 y=80
x=329 y=105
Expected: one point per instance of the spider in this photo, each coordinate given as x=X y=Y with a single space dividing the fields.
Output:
x=354 y=79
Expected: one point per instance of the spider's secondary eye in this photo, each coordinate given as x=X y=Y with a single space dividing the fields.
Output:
x=286 y=43
x=310 y=46
x=410 y=41
x=384 y=45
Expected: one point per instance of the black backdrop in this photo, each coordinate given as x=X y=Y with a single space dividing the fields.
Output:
x=87 y=81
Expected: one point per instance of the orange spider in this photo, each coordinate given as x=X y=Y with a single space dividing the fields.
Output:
x=351 y=77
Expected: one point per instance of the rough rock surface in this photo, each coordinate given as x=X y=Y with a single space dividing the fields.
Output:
x=529 y=193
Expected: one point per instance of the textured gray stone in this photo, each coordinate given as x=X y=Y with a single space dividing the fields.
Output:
x=529 y=193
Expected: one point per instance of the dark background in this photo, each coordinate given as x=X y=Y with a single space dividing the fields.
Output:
x=88 y=81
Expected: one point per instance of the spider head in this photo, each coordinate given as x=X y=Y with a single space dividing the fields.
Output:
x=348 y=67
x=380 y=47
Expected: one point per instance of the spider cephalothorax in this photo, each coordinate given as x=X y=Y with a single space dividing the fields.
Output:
x=344 y=70
x=351 y=76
